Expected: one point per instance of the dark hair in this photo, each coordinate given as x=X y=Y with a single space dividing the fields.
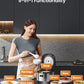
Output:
x=28 y=23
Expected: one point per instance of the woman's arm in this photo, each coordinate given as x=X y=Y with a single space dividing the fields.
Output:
x=13 y=58
x=39 y=51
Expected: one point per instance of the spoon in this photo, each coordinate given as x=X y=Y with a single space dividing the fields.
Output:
x=35 y=55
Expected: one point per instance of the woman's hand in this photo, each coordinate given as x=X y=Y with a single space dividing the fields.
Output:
x=24 y=53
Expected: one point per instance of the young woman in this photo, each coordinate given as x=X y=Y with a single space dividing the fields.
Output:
x=27 y=42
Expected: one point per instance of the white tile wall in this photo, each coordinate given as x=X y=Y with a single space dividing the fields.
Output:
x=64 y=50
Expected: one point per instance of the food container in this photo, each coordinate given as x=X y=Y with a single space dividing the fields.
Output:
x=66 y=80
x=27 y=77
x=9 y=82
x=55 y=82
x=79 y=82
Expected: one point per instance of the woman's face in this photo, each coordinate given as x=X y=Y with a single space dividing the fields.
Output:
x=30 y=29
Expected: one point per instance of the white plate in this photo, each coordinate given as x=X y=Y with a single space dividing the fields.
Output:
x=4 y=82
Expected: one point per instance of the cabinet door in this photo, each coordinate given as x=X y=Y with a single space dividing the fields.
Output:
x=49 y=18
x=69 y=17
x=82 y=16
x=6 y=9
x=23 y=12
x=8 y=70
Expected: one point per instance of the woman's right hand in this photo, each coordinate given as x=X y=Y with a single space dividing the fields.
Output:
x=24 y=53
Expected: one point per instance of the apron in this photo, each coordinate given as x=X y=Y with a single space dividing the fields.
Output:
x=25 y=64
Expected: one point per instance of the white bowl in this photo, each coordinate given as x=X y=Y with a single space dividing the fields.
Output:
x=79 y=82
x=54 y=82
x=14 y=82
x=36 y=61
x=65 y=81
x=27 y=77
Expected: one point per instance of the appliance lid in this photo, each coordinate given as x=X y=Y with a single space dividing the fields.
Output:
x=49 y=58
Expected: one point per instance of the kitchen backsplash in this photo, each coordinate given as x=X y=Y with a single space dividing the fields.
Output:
x=65 y=49
x=7 y=45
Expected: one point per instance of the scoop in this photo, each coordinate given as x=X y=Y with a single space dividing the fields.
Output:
x=35 y=55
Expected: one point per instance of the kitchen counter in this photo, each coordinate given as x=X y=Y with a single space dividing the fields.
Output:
x=8 y=64
x=68 y=64
x=2 y=79
x=57 y=64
